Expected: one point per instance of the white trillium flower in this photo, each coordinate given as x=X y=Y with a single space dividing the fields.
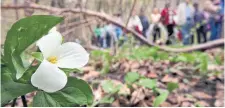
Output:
x=48 y=76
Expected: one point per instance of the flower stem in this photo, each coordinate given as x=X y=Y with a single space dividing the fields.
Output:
x=24 y=100
x=14 y=102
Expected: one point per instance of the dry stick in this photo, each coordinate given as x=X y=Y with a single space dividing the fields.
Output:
x=212 y=44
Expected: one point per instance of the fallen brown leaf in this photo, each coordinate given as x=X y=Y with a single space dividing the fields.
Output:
x=137 y=96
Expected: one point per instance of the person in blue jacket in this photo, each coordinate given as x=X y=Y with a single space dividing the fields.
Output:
x=144 y=21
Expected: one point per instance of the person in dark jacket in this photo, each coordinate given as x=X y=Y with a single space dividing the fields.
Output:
x=144 y=22
x=200 y=24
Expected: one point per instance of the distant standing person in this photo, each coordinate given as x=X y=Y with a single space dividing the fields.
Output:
x=185 y=15
x=98 y=33
x=110 y=35
x=219 y=17
x=213 y=9
x=118 y=30
x=200 y=24
x=167 y=17
x=155 y=28
x=135 y=23
x=144 y=21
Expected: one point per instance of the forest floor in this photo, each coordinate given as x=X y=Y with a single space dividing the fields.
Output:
x=194 y=88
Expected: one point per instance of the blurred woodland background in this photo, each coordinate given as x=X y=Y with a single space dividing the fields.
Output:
x=126 y=75
x=80 y=29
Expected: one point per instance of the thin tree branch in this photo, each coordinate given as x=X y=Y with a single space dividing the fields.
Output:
x=132 y=9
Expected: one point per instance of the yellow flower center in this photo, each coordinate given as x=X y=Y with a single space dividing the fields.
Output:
x=52 y=59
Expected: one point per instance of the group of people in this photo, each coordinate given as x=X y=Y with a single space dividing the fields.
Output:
x=106 y=34
x=182 y=23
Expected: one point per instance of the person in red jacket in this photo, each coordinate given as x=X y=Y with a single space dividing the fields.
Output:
x=167 y=15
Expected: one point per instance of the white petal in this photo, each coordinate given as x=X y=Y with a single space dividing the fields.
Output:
x=49 y=77
x=71 y=55
x=53 y=29
x=47 y=44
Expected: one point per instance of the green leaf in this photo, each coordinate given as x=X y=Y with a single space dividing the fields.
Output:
x=181 y=58
x=96 y=53
x=42 y=99
x=153 y=52
x=163 y=55
x=69 y=96
x=172 y=86
x=19 y=67
x=2 y=61
x=131 y=77
x=106 y=67
x=37 y=55
x=109 y=87
x=11 y=90
x=67 y=70
x=25 y=56
x=76 y=93
x=190 y=57
x=82 y=86
x=161 y=98
x=22 y=34
x=107 y=100
x=218 y=59
x=148 y=83
x=28 y=73
x=6 y=74
x=143 y=53
x=203 y=66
